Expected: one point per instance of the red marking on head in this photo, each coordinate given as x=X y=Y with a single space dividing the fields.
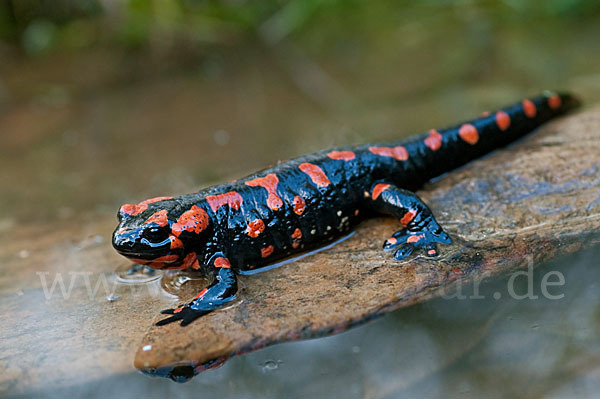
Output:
x=399 y=152
x=378 y=189
x=200 y=294
x=153 y=200
x=457 y=270
x=356 y=212
x=408 y=217
x=413 y=239
x=554 y=101
x=131 y=209
x=195 y=221
x=232 y=198
x=342 y=155
x=159 y=218
x=468 y=133
x=175 y=242
x=255 y=227
x=502 y=120
x=315 y=173
x=135 y=209
x=222 y=262
x=267 y=251
x=269 y=183
x=434 y=140
x=392 y=240
x=299 y=205
x=529 y=108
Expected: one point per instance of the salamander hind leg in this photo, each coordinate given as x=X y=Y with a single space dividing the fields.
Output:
x=420 y=232
x=221 y=291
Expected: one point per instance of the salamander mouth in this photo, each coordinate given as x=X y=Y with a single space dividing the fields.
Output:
x=150 y=256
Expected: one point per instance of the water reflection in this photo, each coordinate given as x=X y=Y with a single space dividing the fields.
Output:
x=469 y=348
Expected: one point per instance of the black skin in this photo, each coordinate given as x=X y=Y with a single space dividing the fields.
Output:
x=365 y=182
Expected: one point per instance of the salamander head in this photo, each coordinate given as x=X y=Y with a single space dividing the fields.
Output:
x=154 y=232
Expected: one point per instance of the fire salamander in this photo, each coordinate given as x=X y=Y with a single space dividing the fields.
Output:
x=308 y=201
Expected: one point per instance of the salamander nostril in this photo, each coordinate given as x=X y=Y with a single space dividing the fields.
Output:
x=122 y=242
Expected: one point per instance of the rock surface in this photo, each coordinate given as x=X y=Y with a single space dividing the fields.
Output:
x=535 y=200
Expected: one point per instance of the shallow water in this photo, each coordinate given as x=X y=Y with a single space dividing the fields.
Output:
x=85 y=131
x=481 y=342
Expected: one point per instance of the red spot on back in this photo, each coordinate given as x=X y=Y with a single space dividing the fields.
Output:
x=232 y=198
x=378 y=189
x=529 y=108
x=160 y=218
x=457 y=270
x=222 y=262
x=554 y=101
x=195 y=220
x=135 y=209
x=485 y=114
x=399 y=152
x=502 y=120
x=342 y=155
x=392 y=240
x=297 y=233
x=408 y=217
x=468 y=133
x=255 y=227
x=269 y=183
x=267 y=251
x=315 y=173
x=296 y=236
x=299 y=205
x=434 y=140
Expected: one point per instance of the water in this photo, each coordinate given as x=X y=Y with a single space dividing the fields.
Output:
x=475 y=347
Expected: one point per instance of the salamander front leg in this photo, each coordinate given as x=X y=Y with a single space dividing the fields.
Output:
x=221 y=291
x=421 y=231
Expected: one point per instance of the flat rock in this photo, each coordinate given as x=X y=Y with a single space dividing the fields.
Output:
x=535 y=200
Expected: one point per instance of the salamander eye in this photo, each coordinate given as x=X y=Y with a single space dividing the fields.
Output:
x=156 y=234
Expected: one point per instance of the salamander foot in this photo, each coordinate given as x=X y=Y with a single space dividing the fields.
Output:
x=405 y=242
x=184 y=313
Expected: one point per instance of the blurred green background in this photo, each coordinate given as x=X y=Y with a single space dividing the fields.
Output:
x=106 y=102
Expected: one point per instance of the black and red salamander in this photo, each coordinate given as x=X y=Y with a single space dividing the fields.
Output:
x=308 y=201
